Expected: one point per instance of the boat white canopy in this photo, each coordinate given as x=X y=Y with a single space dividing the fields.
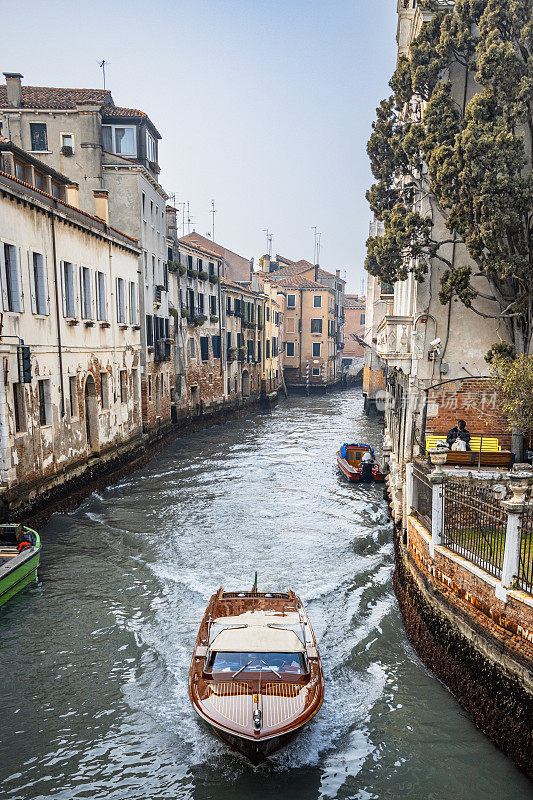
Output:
x=258 y=632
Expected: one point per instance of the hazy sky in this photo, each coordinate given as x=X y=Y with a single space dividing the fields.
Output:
x=264 y=106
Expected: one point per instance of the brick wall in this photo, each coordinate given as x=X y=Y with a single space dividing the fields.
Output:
x=511 y=623
x=472 y=400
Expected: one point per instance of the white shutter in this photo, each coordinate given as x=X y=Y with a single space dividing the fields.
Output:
x=20 y=286
x=76 y=293
x=92 y=307
x=103 y=301
x=46 y=286
x=63 y=287
x=5 y=300
x=97 y=295
x=33 y=296
x=83 y=310
x=116 y=300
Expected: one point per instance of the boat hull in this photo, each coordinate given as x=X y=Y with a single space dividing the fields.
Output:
x=18 y=577
x=256 y=751
x=354 y=475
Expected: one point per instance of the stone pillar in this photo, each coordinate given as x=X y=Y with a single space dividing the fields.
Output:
x=521 y=478
x=437 y=479
x=409 y=487
x=387 y=450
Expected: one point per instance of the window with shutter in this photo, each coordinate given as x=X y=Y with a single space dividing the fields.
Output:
x=86 y=293
x=204 y=347
x=134 y=310
x=101 y=299
x=215 y=343
x=121 y=300
x=69 y=289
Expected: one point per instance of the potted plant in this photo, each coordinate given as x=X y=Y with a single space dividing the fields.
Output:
x=232 y=353
x=213 y=318
x=182 y=269
x=199 y=319
x=213 y=279
x=242 y=352
x=192 y=273
x=203 y=275
x=184 y=312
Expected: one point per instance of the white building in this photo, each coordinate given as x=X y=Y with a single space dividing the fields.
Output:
x=70 y=334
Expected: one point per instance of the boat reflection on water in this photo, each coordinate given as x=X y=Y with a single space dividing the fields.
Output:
x=256 y=676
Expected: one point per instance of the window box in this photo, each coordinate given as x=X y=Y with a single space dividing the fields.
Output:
x=105 y=324
x=213 y=279
x=136 y=327
x=192 y=273
x=232 y=353
x=73 y=322
x=89 y=323
x=199 y=319
x=213 y=318
x=150 y=348
x=184 y=312
x=123 y=327
x=229 y=312
x=203 y=275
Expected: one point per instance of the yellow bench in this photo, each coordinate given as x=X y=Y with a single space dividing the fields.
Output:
x=487 y=444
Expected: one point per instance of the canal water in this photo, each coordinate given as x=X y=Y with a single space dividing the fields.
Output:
x=94 y=658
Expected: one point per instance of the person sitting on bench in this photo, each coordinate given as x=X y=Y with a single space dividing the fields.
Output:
x=459 y=433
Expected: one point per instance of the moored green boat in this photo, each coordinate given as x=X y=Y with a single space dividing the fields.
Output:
x=20 y=551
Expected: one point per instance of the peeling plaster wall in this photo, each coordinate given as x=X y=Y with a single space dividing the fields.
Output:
x=88 y=348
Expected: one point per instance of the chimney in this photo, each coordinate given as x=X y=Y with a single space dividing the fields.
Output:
x=101 y=204
x=14 y=89
x=73 y=195
x=338 y=273
x=316 y=273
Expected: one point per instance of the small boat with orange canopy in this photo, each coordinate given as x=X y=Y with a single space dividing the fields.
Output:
x=256 y=676
x=357 y=463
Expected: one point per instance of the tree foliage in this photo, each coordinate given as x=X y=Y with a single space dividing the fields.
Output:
x=513 y=383
x=471 y=159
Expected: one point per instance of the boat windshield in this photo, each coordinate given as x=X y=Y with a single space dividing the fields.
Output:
x=283 y=663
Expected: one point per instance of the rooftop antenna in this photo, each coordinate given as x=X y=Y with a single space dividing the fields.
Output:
x=314 y=248
x=103 y=64
x=213 y=212
x=189 y=220
x=318 y=245
x=182 y=218
x=269 y=241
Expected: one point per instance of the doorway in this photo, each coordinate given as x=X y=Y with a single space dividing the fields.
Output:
x=91 y=414
x=245 y=383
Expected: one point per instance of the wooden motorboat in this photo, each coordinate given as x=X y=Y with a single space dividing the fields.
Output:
x=20 y=551
x=357 y=463
x=256 y=676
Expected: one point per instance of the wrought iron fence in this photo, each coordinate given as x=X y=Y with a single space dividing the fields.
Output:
x=475 y=524
x=525 y=563
x=422 y=499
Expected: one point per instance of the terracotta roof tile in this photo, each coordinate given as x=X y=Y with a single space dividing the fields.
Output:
x=49 y=97
x=119 y=111
x=299 y=282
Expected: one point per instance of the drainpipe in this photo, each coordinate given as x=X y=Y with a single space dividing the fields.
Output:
x=4 y=435
x=301 y=326
x=58 y=318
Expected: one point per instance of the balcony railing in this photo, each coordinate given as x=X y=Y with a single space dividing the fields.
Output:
x=394 y=340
